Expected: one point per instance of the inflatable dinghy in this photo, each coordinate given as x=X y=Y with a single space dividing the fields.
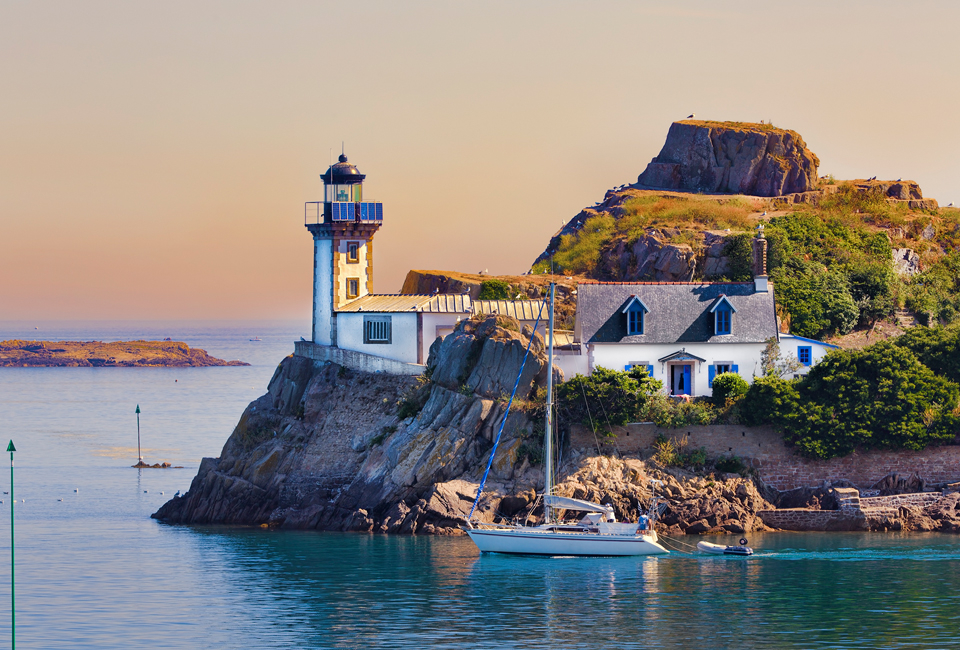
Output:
x=718 y=549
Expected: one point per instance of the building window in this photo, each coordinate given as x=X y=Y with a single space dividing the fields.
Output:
x=723 y=321
x=718 y=369
x=377 y=329
x=634 y=321
x=353 y=252
x=353 y=287
x=805 y=354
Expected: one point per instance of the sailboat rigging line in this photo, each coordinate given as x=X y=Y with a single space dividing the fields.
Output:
x=506 y=414
x=593 y=427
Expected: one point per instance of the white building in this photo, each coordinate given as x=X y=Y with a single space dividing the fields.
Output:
x=347 y=316
x=684 y=333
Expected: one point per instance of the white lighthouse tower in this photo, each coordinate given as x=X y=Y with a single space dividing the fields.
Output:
x=342 y=226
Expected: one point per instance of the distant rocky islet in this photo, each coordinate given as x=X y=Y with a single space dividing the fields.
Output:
x=99 y=354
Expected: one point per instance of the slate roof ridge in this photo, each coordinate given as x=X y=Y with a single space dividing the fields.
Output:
x=604 y=282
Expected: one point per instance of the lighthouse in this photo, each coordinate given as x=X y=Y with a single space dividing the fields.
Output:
x=343 y=226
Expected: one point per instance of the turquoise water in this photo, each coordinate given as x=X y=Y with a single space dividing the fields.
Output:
x=94 y=571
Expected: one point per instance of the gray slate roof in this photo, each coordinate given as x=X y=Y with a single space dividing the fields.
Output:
x=679 y=312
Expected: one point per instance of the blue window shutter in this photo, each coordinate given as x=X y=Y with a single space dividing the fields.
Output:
x=713 y=373
x=649 y=371
x=736 y=368
x=627 y=367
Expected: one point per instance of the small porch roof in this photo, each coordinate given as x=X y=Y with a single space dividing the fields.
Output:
x=681 y=355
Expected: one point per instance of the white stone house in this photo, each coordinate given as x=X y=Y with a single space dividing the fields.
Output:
x=684 y=333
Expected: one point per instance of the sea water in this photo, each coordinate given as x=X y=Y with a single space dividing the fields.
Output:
x=94 y=571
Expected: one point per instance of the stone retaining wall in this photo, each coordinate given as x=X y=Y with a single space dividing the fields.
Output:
x=803 y=519
x=764 y=450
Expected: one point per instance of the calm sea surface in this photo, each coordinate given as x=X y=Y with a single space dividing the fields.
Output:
x=94 y=571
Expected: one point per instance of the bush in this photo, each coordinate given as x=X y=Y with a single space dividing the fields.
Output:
x=670 y=413
x=494 y=290
x=739 y=252
x=672 y=453
x=731 y=465
x=728 y=385
x=880 y=397
x=818 y=300
x=607 y=398
x=770 y=400
x=937 y=348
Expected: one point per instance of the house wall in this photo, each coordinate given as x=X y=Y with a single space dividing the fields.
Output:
x=434 y=322
x=789 y=345
x=403 y=346
x=571 y=364
x=616 y=356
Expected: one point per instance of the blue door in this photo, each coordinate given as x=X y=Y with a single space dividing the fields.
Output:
x=680 y=380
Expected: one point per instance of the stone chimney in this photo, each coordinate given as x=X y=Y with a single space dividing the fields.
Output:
x=760 y=261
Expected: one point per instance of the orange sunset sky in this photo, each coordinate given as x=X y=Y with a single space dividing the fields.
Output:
x=155 y=156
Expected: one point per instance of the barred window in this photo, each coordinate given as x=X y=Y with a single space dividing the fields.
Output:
x=377 y=329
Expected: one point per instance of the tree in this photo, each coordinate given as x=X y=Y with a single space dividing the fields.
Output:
x=818 y=300
x=879 y=397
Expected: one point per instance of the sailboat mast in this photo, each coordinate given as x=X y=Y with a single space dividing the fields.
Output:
x=548 y=427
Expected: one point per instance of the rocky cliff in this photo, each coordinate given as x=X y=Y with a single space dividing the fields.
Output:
x=734 y=158
x=336 y=449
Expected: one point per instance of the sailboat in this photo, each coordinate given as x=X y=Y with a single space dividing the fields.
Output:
x=596 y=532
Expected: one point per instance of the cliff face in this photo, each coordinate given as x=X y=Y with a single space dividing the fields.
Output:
x=335 y=449
x=734 y=158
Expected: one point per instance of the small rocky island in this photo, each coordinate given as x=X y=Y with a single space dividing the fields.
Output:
x=97 y=354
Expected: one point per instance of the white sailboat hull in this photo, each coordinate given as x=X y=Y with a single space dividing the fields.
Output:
x=537 y=541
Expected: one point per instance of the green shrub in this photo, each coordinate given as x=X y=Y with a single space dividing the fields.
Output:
x=606 y=398
x=731 y=465
x=728 y=385
x=671 y=413
x=770 y=400
x=880 y=397
x=818 y=300
x=937 y=348
x=739 y=252
x=494 y=290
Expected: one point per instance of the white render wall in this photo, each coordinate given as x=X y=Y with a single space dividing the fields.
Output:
x=403 y=335
x=818 y=350
x=322 y=291
x=616 y=356
x=434 y=322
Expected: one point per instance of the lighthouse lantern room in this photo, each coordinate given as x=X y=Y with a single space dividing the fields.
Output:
x=342 y=226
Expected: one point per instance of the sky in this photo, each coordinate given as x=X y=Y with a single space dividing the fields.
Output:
x=155 y=156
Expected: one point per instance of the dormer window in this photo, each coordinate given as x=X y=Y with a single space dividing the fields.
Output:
x=634 y=310
x=722 y=312
x=723 y=321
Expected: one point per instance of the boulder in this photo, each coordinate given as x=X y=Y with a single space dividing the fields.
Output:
x=732 y=157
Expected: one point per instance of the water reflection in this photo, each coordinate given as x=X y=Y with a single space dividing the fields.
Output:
x=340 y=590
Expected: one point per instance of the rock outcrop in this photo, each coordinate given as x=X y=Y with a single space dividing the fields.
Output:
x=336 y=449
x=734 y=158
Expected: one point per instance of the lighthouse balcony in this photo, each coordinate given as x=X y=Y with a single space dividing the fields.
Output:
x=319 y=212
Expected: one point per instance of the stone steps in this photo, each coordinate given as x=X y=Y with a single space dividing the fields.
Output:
x=905 y=318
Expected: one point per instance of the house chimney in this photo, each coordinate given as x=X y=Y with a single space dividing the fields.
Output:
x=760 y=261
